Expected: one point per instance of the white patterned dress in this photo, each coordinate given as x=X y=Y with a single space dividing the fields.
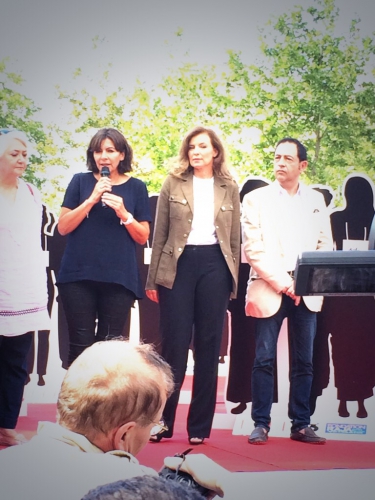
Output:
x=23 y=277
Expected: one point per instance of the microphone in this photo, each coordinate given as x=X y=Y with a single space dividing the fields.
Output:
x=105 y=173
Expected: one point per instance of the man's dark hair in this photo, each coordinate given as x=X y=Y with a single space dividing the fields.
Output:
x=143 y=488
x=301 y=150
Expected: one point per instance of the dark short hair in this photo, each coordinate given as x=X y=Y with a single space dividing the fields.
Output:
x=120 y=143
x=143 y=488
x=301 y=150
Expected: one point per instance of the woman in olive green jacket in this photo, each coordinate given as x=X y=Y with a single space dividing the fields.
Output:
x=194 y=271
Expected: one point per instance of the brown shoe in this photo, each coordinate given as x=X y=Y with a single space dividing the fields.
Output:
x=308 y=436
x=258 y=436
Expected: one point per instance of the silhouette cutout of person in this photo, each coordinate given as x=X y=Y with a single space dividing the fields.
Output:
x=321 y=356
x=350 y=319
x=148 y=310
x=48 y=227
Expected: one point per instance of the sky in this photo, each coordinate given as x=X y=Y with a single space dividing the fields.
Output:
x=46 y=40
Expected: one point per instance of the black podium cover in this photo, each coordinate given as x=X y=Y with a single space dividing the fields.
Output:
x=341 y=272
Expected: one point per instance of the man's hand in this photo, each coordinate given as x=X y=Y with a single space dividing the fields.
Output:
x=205 y=471
x=290 y=292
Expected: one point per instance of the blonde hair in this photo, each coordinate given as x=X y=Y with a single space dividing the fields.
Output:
x=112 y=383
x=219 y=163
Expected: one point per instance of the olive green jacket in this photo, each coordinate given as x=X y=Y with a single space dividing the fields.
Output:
x=174 y=216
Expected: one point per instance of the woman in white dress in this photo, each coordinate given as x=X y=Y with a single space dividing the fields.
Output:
x=23 y=278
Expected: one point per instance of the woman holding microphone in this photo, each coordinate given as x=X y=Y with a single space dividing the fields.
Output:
x=105 y=213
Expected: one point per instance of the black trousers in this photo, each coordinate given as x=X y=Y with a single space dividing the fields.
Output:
x=86 y=302
x=42 y=353
x=13 y=374
x=199 y=298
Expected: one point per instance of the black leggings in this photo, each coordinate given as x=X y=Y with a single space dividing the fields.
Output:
x=86 y=302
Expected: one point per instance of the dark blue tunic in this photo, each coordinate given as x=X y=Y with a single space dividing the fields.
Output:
x=100 y=248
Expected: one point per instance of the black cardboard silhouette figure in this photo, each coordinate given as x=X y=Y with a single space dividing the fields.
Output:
x=47 y=230
x=321 y=366
x=56 y=246
x=149 y=331
x=350 y=319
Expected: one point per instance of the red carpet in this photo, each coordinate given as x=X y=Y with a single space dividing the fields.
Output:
x=233 y=452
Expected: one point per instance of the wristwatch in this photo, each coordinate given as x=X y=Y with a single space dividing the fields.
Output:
x=128 y=221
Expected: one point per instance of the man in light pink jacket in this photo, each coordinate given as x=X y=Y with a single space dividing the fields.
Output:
x=279 y=222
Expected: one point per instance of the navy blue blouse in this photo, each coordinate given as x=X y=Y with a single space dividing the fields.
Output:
x=100 y=248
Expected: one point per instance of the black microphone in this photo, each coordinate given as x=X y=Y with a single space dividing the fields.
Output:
x=105 y=173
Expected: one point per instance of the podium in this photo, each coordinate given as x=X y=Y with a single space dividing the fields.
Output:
x=341 y=272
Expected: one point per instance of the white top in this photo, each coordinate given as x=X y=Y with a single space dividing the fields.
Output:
x=203 y=228
x=23 y=276
x=293 y=224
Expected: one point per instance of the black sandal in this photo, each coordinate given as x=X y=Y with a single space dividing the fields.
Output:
x=156 y=438
x=196 y=440
x=158 y=432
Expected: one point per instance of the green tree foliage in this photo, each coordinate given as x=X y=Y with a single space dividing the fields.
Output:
x=153 y=120
x=310 y=83
x=313 y=85
x=16 y=111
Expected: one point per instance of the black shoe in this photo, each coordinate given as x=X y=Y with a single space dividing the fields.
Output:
x=361 y=413
x=258 y=436
x=343 y=411
x=239 y=409
x=308 y=436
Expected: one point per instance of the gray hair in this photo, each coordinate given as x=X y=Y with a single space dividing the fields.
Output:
x=6 y=138
x=143 y=488
x=112 y=383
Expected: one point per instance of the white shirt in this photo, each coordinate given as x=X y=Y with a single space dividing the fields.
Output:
x=293 y=224
x=203 y=228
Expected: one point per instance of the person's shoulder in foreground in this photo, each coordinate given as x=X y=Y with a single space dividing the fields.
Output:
x=111 y=397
